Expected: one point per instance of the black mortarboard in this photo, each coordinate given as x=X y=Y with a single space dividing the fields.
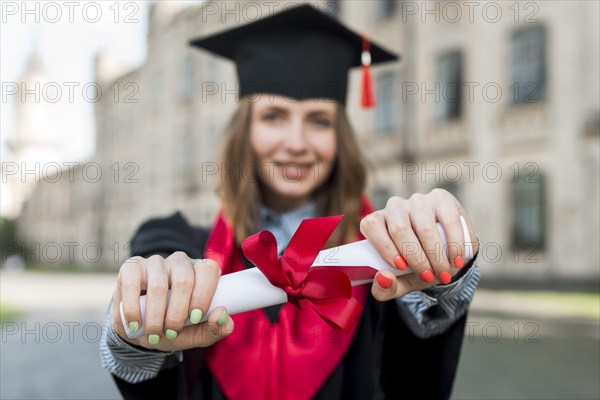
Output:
x=299 y=53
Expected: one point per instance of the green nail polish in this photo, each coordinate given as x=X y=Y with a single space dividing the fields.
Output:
x=134 y=326
x=223 y=319
x=153 y=339
x=171 y=334
x=196 y=315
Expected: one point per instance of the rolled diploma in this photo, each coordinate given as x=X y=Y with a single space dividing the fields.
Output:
x=250 y=290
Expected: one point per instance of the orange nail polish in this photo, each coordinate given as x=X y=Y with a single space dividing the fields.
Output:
x=445 y=277
x=400 y=262
x=458 y=262
x=427 y=276
x=384 y=281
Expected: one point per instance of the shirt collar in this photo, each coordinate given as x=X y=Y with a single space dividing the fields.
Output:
x=307 y=210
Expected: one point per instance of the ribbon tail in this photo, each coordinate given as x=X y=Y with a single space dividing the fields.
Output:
x=339 y=313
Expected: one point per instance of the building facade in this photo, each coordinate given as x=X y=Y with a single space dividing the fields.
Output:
x=496 y=103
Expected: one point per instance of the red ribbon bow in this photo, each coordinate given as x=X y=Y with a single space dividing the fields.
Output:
x=327 y=291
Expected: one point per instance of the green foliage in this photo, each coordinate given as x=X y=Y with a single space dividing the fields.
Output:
x=9 y=239
x=8 y=314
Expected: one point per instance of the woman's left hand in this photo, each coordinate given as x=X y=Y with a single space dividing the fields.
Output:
x=405 y=234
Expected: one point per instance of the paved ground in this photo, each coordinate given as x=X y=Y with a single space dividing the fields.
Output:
x=513 y=358
x=53 y=351
x=516 y=346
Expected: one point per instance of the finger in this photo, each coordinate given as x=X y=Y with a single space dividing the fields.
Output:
x=116 y=323
x=386 y=286
x=218 y=325
x=401 y=231
x=207 y=273
x=156 y=298
x=373 y=227
x=129 y=283
x=423 y=221
x=181 y=276
x=450 y=220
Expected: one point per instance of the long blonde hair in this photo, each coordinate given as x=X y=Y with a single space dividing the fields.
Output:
x=340 y=194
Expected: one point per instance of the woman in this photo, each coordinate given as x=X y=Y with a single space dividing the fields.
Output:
x=291 y=127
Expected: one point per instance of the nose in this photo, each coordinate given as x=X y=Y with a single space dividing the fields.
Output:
x=295 y=141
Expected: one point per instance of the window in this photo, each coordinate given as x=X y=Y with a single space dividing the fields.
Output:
x=386 y=110
x=210 y=68
x=187 y=79
x=152 y=171
x=157 y=89
x=211 y=142
x=386 y=8
x=529 y=210
x=185 y=157
x=529 y=65
x=380 y=197
x=448 y=85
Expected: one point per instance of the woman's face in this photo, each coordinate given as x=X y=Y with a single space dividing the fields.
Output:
x=295 y=145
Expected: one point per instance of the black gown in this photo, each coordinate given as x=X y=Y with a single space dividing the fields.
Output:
x=384 y=361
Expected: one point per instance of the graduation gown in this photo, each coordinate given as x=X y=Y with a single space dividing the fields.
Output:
x=384 y=361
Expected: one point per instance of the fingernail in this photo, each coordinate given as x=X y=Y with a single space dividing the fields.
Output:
x=400 y=262
x=196 y=315
x=153 y=339
x=134 y=326
x=384 y=281
x=445 y=277
x=427 y=276
x=171 y=334
x=458 y=262
x=221 y=321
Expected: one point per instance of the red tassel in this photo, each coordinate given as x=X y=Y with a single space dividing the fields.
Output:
x=368 y=91
x=368 y=95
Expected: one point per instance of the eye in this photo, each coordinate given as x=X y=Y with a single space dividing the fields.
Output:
x=324 y=122
x=271 y=116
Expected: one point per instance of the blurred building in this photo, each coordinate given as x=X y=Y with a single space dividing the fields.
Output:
x=496 y=103
x=35 y=141
x=63 y=220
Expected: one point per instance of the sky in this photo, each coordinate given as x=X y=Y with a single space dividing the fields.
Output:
x=67 y=35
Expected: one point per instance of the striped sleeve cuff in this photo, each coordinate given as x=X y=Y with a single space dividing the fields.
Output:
x=132 y=364
x=432 y=311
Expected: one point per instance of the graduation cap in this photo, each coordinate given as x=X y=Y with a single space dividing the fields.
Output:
x=299 y=53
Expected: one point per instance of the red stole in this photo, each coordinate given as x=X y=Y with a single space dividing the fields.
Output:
x=290 y=359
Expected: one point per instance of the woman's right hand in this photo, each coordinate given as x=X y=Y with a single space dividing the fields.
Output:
x=192 y=283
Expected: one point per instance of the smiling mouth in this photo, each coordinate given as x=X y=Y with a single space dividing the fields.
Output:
x=293 y=171
x=294 y=165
